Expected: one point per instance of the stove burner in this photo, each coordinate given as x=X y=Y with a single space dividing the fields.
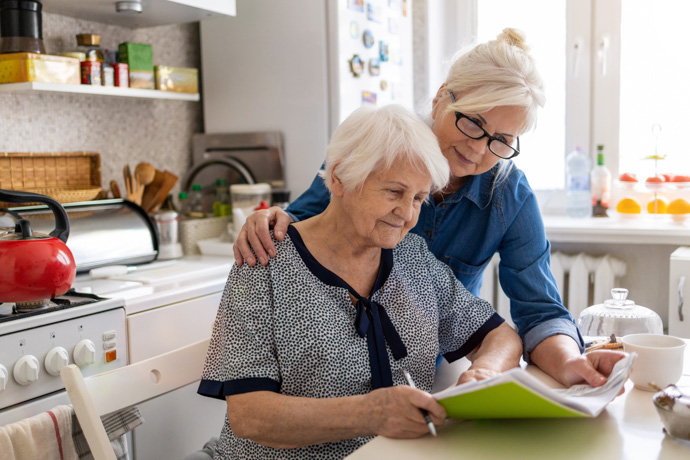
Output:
x=24 y=307
x=10 y=312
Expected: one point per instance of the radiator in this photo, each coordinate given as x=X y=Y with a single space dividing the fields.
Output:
x=582 y=280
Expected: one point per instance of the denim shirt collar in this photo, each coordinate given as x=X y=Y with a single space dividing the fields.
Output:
x=477 y=189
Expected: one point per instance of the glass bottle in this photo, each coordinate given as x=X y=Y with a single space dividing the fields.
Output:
x=221 y=204
x=578 y=196
x=601 y=185
x=196 y=202
x=183 y=204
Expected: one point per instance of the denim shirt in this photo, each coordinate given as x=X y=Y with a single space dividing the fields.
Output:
x=468 y=227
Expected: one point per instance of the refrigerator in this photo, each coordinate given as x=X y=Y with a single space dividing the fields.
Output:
x=300 y=67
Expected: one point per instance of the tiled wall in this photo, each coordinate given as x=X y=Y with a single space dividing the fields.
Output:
x=123 y=130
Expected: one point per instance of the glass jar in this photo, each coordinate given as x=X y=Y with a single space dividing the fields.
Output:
x=618 y=316
x=89 y=44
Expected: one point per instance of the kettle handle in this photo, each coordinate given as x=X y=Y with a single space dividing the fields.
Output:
x=61 y=230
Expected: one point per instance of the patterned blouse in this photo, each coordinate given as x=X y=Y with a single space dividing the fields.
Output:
x=291 y=327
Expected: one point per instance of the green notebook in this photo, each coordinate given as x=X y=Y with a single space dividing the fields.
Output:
x=518 y=394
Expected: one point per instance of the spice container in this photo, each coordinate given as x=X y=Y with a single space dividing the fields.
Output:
x=90 y=73
x=107 y=75
x=89 y=44
x=121 y=75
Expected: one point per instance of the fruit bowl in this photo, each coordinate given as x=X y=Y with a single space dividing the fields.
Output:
x=673 y=406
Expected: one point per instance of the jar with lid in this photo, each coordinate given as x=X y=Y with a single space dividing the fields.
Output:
x=221 y=204
x=89 y=44
x=619 y=316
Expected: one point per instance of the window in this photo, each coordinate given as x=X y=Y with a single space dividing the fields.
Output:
x=542 y=149
x=654 y=86
x=616 y=73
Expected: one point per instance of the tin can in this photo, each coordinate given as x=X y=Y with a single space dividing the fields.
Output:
x=121 y=74
x=107 y=75
x=90 y=73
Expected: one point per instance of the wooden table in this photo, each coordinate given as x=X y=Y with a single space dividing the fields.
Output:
x=629 y=428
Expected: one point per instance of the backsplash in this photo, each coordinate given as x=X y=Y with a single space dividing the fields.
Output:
x=123 y=130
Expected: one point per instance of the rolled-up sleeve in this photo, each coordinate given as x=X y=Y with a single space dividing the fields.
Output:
x=525 y=276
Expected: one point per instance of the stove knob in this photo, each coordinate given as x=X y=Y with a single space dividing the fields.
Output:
x=84 y=353
x=56 y=359
x=4 y=376
x=26 y=370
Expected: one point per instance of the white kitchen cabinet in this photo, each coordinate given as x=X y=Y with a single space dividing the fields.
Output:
x=155 y=12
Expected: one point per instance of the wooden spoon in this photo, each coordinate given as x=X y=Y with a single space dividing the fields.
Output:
x=146 y=173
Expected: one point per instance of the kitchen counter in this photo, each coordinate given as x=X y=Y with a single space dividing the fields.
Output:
x=629 y=428
x=618 y=230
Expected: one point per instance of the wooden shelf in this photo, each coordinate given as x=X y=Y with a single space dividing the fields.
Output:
x=99 y=90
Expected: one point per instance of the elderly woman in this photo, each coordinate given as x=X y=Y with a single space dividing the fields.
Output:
x=490 y=97
x=309 y=350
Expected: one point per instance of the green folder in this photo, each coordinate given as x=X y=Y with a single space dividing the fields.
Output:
x=519 y=394
x=505 y=400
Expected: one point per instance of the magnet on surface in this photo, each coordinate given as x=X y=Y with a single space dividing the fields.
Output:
x=368 y=38
x=384 y=85
x=354 y=29
x=374 y=67
x=356 y=65
x=383 y=51
x=368 y=98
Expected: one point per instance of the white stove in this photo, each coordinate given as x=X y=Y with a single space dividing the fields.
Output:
x=86 y=330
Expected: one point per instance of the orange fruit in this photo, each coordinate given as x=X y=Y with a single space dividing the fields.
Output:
x=681 y=178
x=655 y=179
x=661 y=206
x=628 y=206
x=627 y=177
x=679 y=206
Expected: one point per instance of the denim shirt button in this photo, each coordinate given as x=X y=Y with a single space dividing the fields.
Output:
x=428 y=233
x=444 y=205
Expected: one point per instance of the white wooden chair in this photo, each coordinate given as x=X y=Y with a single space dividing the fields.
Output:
x=102 y=394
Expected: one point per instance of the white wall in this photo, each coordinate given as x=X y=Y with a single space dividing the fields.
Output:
x=251 y=65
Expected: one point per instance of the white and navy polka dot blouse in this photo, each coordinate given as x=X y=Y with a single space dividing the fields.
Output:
x=290 y=327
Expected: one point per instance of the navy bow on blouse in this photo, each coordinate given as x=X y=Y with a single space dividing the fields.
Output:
x=373 y=322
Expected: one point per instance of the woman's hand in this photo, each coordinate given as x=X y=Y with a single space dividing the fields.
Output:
x=395 y=412
x=255 y=235
x=593 y=367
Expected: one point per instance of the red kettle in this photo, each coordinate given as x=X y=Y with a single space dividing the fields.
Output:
x=35 y=267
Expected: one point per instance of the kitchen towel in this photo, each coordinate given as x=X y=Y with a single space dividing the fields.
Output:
x=116 y=426
x=47 y=436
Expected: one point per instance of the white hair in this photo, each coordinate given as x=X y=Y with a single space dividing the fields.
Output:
x=376 y=139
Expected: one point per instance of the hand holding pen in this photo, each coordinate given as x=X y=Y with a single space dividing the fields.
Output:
x=427 y=418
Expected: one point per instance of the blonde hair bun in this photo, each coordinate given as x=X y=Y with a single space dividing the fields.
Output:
x=513 y=37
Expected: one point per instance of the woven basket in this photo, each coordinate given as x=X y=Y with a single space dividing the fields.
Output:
x=66 y=177
x=193 y=230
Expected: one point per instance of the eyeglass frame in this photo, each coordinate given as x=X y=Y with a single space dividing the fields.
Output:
x=459 y=115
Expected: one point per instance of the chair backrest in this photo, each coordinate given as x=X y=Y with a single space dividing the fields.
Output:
x=102 y=394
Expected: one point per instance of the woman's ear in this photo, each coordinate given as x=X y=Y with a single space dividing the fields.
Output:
x=435 y=106
x=337 y=188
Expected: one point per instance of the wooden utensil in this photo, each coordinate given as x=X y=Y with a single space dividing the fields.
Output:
x=169 y=181
x=152 y=189
x=146 y=172
x=129 y=186
x=115 y=189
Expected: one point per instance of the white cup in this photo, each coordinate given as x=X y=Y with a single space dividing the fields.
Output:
x=659 y=359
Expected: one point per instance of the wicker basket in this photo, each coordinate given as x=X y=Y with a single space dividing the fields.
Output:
x=67 y=177
x=193 y=230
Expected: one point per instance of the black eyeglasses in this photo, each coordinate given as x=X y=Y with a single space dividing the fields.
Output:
x=497 y=145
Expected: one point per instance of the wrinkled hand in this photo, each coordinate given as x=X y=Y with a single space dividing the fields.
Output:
x=255 y=235
x=593 y=367
x=395 y=412
x=473 y=375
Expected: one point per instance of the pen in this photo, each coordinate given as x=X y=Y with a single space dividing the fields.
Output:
x=429 y=423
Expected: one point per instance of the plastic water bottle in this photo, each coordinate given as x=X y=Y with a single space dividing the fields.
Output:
x=578 y=197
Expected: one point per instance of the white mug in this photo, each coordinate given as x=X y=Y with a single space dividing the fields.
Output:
x=659 y=359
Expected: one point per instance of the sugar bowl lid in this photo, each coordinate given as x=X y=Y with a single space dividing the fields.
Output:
x=619 y=316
